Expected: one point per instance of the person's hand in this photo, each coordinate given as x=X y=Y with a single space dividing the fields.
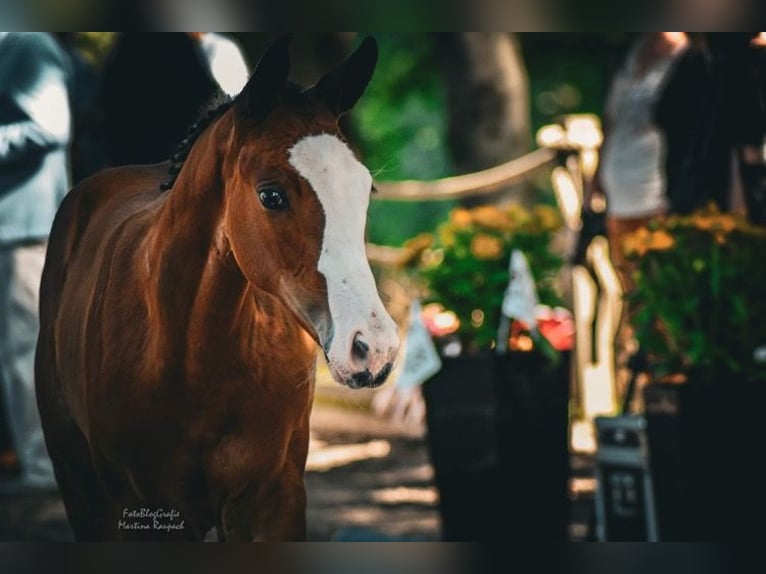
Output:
x=400 y=405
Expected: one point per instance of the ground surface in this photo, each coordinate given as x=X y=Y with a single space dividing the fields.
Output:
x=368 y=479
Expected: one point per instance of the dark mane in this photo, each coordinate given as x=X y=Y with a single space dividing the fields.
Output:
x=292 y=95
x=213 y=111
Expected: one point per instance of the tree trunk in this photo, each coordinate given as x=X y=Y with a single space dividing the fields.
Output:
x=488 y=100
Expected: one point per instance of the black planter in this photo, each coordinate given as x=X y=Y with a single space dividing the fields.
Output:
x=706 y=445
x=498 y=440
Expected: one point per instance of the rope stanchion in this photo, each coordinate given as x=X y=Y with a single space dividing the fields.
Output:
x=460 y=186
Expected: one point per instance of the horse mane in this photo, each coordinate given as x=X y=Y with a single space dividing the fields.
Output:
x=292 y=95
x=212 y=112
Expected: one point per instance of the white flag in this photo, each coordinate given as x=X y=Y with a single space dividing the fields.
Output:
x=520 y=297
x=421 y=359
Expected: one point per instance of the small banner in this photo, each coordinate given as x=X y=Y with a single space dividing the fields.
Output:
x=520 y=303
x=421 y=359
x=520 y=297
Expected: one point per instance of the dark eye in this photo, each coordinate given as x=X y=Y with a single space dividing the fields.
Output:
x=272 y=197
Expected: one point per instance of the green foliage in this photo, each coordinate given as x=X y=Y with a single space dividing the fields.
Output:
x=698 y=296
x=94 y=46
x=464 y=266
x=401 y=126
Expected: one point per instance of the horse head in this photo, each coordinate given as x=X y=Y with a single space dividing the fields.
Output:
x=296 y=202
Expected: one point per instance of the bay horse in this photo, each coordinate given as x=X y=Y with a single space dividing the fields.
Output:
x=179 y=326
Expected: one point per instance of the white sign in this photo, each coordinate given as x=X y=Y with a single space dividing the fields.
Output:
x=421 y=359
x=520 y=297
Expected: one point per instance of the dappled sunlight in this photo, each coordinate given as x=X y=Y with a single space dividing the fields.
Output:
x=405 y=495
x=323 y=458
x=583 y=438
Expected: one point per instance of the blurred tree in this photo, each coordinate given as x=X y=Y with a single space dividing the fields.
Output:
x=487 y=97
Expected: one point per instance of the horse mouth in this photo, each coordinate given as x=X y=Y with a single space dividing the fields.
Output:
x=365 y=379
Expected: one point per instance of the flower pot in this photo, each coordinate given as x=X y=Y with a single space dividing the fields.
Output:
x=533 y=442
x=705 y=444
x=497 y=437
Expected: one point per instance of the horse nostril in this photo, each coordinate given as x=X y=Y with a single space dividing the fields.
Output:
x=360 y=349
x=363 y=379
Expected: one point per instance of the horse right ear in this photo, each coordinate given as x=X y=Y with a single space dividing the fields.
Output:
x=261 y=93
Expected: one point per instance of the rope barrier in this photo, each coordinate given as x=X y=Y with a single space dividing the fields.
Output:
x=470 y=184
x=477 y=183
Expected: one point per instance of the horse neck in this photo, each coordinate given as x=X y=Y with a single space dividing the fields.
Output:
x=199 y=297
x=196 y=283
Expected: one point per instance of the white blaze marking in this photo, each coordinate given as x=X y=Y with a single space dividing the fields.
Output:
x=342 y=185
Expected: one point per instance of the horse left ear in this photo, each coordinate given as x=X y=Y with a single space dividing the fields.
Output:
x=261 y=93
x=340 y=89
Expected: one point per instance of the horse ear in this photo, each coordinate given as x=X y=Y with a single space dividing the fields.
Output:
x=340 y=89
x=261 y=93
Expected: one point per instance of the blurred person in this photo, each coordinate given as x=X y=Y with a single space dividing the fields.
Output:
x=87 y=150
x=752 y=155
x=740 y=77
x=657 y=125
x=656 y=131
x=34 y=138
x=154 y=86
x=225 y=59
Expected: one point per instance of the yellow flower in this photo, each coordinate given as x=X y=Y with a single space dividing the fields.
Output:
x=485 y=246
x=660 y=240
x=548 y=217
x=726 y=223
x=637 y=243
x=517 y=214
x=460 y=217
x=446 y=234
x=491 y=217
x=702 y=222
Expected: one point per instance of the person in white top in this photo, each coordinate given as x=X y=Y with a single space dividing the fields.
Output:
x=227 y=63
x=632 y=169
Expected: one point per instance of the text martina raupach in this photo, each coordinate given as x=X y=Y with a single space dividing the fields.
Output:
x=148 y=519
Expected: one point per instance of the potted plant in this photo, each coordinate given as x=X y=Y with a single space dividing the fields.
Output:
x=497 y=424
x=700 y=318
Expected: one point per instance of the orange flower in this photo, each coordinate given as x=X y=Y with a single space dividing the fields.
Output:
x=460 y=217
x=485 y=247
x=661 y=240
x=637 y=243
x=491 y=217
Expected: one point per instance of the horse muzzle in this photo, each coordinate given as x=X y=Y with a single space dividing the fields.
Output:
x=366 y=358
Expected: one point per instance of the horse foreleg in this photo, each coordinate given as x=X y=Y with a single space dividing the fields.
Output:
x=273 y=513
x=85 y=501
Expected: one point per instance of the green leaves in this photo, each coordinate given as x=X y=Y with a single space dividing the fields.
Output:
x=473 y=272
x=700 y=306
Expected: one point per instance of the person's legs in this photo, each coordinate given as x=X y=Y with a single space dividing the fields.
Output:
x=625 y=345
x=617 y=229
x=20 y=272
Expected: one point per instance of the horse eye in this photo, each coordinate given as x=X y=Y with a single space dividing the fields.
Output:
x=273 y=197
